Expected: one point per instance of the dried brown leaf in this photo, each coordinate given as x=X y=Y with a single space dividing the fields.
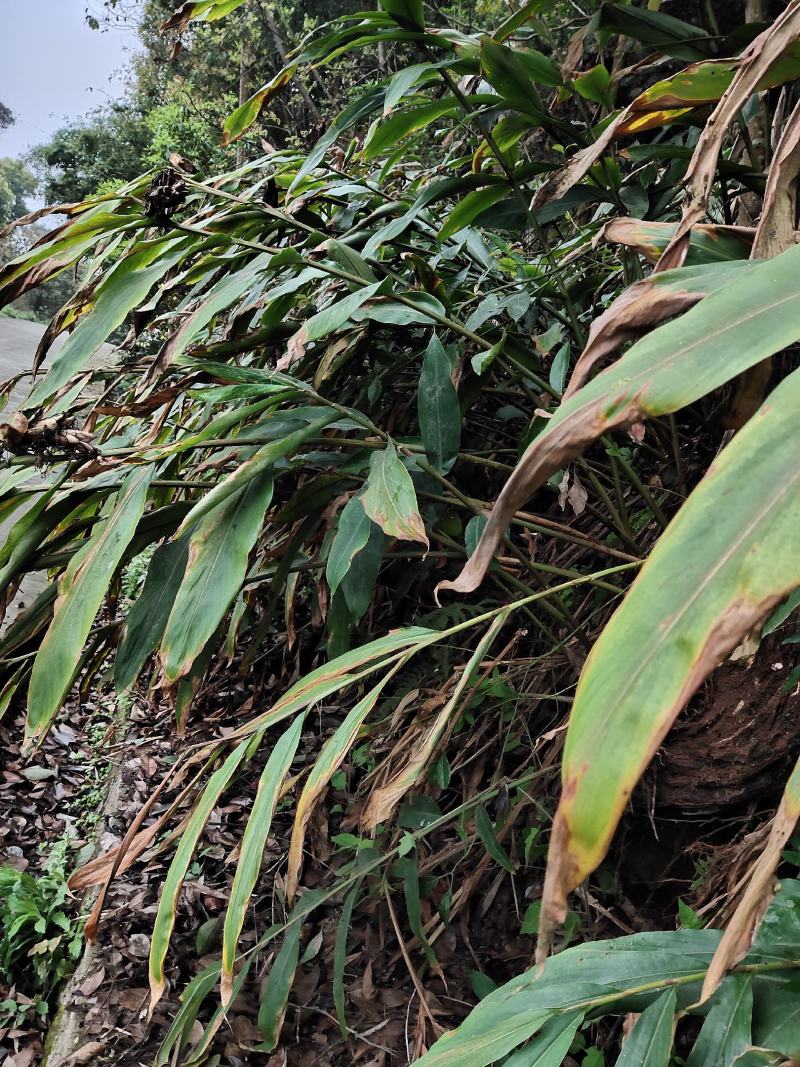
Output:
x=754 y=63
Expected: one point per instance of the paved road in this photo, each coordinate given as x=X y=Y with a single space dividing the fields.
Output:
x=18 y=343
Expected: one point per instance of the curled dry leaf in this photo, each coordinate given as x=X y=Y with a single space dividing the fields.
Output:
x=643 y=306
x=754 y=64
x=775 y=234
x=776 y=230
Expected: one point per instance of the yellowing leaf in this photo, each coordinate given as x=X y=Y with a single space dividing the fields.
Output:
x=726 y=559
x=389 y=498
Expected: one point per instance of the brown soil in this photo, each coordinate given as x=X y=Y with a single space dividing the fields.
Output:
x=736 y=740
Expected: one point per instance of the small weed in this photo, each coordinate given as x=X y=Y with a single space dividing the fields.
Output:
x=40 y=939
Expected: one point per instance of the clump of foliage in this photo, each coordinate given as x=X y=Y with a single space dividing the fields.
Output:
x=487 y=287
x=40 y=939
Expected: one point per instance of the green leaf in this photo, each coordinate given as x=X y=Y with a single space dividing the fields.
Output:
x=407 y=13
x=200 y=11
x=733 y=329
x=705 y=82
x=191 y=1002
x=227 y=291
x=403 y=123
x=688 y=917
x=655 y=30
x=598 y=972
x=253 y=844
x=259 y=465
x=559 y=368
x=594 y=85
x=340 y=955
x=777 y=1021
x=218 y=552
x=724 y=561
x=326 y=764
x=358 y=583
x=276 y=992
x=63 y=248
x=80 y=594
x=334 y=317
x=468 y=209
x=348 y=259
x=389 y=498
x=438 y=408
x=409 y=869
x=351 y=535
x=513 y=73
x=779 y=617
x=530 y=920
x=549 y=1048
x=371 y=100
x=148 y=615
x=726 y=1032
x=405 y=79
x=473 y=532
x=481 y=361
x=168 y=902
x=708 y=244
x=240 y=120
x=124 y=287
x=650 y=1042
x=486 y=832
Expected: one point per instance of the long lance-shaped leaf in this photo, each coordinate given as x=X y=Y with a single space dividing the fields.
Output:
x=240 y=120
x=353 y=666
x=218 y=552
x=675 y=365
x=225 y=293
x=646 y=304
x=726 y=559
x=256 y=466
x=80 y=595
x=389 y=497
x=742 y=927
x=573 y=981
x=148 y=616
x=650 y=1041
x=123 y=289
x=342 y=671
x=708 y=244
x=727 y=1030
x=272 y=1009
x=191 y=1002
x=384 y=800
x=549 y=1048
x=64 y=247
x=253 y=844
x=165 y=919
x=327 y=763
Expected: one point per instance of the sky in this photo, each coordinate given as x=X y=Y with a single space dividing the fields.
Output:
x=53 y=67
